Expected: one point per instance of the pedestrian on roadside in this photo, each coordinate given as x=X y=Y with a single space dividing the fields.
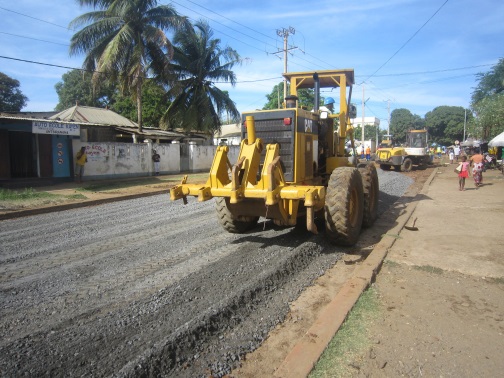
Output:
x=464 y=173
x=156 y=159
x=477 y=168
x=456 y=152
x=368 y=153
x=451 y=156
x=80 y=162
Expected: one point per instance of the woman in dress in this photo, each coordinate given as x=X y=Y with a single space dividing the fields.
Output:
x=477 y=168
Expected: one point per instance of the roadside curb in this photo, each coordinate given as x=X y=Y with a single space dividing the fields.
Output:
x=304 y=355
x=76 y=205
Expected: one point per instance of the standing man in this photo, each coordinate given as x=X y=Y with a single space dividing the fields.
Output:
x=456 y=151
x=156 y=159
x=368 y=153
x=80 y=162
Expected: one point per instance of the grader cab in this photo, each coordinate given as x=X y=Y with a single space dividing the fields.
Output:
x=293 y=165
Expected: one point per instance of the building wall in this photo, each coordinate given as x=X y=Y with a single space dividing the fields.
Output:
x=107 y=160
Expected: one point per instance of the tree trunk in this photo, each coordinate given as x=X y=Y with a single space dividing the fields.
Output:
x=139 y=104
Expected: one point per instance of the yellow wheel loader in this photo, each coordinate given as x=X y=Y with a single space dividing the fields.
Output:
x=293 y=167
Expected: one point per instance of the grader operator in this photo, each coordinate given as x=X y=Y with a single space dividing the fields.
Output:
x=292 y=165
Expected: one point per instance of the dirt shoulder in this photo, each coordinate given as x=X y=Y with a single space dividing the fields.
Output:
x=441 y=287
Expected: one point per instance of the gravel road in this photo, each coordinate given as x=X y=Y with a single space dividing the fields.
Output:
x=149 y=287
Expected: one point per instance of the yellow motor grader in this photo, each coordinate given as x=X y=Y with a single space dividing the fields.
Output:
x=414 y=152
x=293 y=165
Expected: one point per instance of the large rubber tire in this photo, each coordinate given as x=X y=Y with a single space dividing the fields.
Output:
x=229 y=222
x=371 y=191
x=344 y=206
x=385 y=167
x=406 y=165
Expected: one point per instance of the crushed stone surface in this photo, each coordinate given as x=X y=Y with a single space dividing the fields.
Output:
x=150 y=287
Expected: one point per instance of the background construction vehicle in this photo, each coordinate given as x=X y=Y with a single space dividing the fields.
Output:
x=293 y=164
x=414 y=152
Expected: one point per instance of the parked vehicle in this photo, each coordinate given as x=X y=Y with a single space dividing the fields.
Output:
x=403 y=158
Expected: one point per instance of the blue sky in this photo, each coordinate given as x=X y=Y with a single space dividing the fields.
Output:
x=413 y=54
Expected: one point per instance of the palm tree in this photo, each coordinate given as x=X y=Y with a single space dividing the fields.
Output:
x=124 y=40
x=198 y=62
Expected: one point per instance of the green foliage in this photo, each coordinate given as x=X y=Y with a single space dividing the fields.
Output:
x=199 y=61
x=488 y=104
x=306 y=98
x=76 y=86
x=275 y=98
x=489 y=120
x=402 y=120
x=125 y=40
x=11 y=97
x=154 y=104
x=490 y=83
x=446 y=124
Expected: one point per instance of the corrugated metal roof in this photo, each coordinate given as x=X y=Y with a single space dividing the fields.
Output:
x=86 y=114
x=151 y=132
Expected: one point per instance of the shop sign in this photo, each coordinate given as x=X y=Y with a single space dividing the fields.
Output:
x=44 y=127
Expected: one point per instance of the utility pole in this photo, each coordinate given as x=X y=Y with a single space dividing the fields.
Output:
x=465 y=118
x=388 y=110
x=363 y=112
x=285 y=34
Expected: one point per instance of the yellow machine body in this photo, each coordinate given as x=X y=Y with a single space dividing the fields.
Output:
x=402 y=158
x=286 y=157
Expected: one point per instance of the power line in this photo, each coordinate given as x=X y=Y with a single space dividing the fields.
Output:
x=93 y=71
x=229 y=19
x=35 y=39
x=220 y=23
x=35 y=18
x=436 y=71
x=242 y=25
x=413 y=36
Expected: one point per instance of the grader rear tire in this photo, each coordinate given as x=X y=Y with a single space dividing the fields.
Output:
x=344 y=206
x=231 y=223
x=371 y=192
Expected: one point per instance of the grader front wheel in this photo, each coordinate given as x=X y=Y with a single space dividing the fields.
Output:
x=344 y=206
x=230 y=222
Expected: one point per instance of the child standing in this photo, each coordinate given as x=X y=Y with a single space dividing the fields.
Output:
x=464 y=172
x=451 y=154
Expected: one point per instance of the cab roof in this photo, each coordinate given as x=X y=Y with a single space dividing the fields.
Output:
x=327 y=78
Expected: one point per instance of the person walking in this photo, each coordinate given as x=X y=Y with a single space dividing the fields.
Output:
x=80 y=162
x=477 y=168
x=456 y=152
x=156 y=159
x=464 y=173
x=451 y=156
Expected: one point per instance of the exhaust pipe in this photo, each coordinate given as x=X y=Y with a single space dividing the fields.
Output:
x=316 y=88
